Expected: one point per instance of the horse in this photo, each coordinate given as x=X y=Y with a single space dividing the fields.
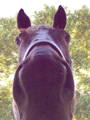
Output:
x=43 y=86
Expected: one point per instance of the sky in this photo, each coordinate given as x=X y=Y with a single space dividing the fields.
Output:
x=10 y=8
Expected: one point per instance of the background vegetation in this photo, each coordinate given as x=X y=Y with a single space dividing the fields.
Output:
x=78 y=26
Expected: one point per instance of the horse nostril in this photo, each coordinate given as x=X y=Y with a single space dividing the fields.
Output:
x=36 y=39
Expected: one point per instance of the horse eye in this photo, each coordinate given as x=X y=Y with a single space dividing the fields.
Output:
x=67 y=37
x=18 y=40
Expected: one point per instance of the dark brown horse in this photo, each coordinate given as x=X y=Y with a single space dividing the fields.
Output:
x=43 y=87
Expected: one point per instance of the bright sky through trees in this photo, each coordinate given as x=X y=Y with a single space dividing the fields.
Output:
x=9 y=8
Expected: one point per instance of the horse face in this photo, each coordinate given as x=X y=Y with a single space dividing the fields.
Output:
x=43 y=87
x=43 y=34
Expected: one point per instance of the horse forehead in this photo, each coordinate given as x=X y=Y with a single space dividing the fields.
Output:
x=39 y=28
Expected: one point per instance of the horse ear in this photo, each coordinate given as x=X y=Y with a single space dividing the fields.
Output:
x=60 y=18
x=23 y=20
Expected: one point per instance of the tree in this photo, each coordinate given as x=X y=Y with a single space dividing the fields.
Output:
x=45 y=16
x=80 y=51
x=8 y=51
x=8 y=61
x=5 y=102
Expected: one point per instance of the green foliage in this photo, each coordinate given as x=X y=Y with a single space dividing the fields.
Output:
x=8 y=55
x=78 y=26
x=45 y=16
x=8 y=51
x=83 y=106
x=5 y=103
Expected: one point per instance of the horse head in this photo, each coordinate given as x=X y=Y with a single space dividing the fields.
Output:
x=43 y=87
